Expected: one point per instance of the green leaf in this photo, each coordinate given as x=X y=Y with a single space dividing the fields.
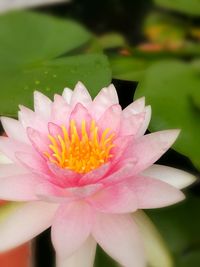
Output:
x=169 y=87
x=129 y=67
x=179 y=226
x=191 y=7
x=45 y=53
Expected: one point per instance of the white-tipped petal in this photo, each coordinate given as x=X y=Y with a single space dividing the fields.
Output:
x=83 y=257
x=156 y=251
x=14 y=129
x=81 y=95
x=135 y=107
x=67 y=94
x=175 y=177
x=119 y=236
x=146 y=121
x=21 y=222
x=106 y=98
x=42 y=105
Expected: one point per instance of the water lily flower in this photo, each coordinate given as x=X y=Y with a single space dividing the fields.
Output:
x=83 y=167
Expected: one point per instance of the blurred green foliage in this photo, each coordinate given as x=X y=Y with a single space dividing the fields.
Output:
x=39 y=51
x=191 y=7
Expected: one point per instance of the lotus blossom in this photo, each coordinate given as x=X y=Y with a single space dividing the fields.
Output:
x=83 y=166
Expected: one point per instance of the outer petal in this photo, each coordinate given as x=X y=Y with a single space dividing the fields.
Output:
x=84 y=256
x=134 y=108
x=14 y=129
x=132 y=124
x=154 y=245
x=149 y=148
x=152 y=193
x=33 y=162
x=9 y=147
x=146 y=121
x=115 y=199
x=118 y=236
x=81 y=95
x=60 y=110
x=67 y=95
x=42 y=105
x=11 y=169
x=21 y=222
x=19 y=187
x=71 y=228
x=105 y=98
x=28 y=118
x=172 y=176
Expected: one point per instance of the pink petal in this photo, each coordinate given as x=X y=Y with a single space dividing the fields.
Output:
x=81 y=95
x=14 y=129
x=19 y=187
x=42 y=105
x=114 y=199
x=149 y=148
x=28 y=118
x=118 y=174
x=33 y=162
x=54 y=129
x=67 y=95
x=53 y=193
x=39 y=141
x=146 y=121
x=71 y=228
x=11 y=169
x=9 y=147
x=132 y=124
x=22 y=222
x=118 y=236
x=64 y=177
x=60 y=111
x=80 y=113
x=111 y=118
x=152 y=193
x=135 y=108
x=84 y=256
x=121 y=143
x=95 y=175
x=105 y=98
x=175 y=177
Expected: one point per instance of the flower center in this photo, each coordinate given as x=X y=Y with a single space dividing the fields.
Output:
x=80 y=150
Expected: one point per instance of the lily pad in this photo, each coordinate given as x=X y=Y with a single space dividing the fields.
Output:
x=45 y=53
x=170 y=87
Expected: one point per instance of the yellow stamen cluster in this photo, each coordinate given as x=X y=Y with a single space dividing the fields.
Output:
x=80 y=150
